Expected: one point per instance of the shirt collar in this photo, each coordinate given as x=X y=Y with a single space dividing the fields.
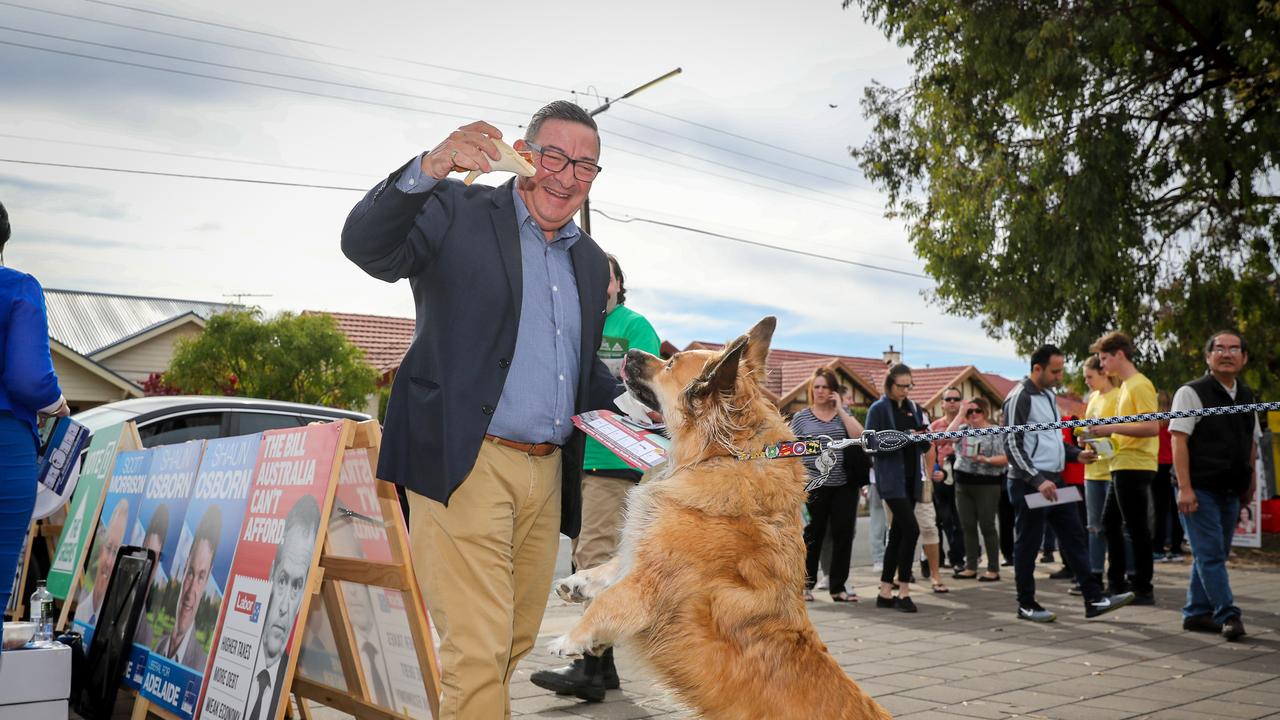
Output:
x=568 y=234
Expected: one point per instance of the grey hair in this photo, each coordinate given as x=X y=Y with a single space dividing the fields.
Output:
x=559 y=110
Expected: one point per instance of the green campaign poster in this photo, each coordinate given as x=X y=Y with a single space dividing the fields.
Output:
x=86 y=503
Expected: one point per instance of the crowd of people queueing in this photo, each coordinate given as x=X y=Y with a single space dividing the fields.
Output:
x=1143 y=488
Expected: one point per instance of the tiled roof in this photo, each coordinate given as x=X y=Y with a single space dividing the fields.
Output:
x=384 y=339
x=1002 y=384
x=789 y=368
x=88 y=321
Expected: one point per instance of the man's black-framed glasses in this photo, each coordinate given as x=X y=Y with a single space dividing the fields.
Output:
x=951 y=399
x=554 y=161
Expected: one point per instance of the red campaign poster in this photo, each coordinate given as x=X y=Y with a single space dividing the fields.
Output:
x=270 y=574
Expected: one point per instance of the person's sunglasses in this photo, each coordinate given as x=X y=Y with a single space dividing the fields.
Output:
x=974 y=411
x=954 y=399
x=908 y=386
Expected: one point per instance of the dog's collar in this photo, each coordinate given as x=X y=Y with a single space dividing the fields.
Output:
x=819 y=447
x=807 y=447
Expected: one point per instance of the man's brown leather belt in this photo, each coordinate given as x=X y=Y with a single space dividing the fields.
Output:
x=534 y=449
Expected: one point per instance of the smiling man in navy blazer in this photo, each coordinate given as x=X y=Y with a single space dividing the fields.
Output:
x=510 y=301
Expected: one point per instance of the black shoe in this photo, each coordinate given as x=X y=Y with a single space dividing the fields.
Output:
x=1233 y=629
x=1064 y=574
x=906 y=605
x=1106 y=604
x=609 y=670
x=1144 y=598
x=1201 y=623
x=582 y=679
x=1007 y=563
x=1047 y=557
x=884 y=602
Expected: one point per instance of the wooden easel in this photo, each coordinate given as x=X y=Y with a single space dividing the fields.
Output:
x=396 y=575
x=20 y=580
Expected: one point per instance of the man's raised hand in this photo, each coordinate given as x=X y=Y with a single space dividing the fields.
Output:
x=467 y=148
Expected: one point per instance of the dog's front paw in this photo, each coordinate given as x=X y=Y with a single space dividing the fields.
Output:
x=576 y=588
x=565 y=648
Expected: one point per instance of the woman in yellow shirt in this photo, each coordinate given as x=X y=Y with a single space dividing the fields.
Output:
x=1097 y=475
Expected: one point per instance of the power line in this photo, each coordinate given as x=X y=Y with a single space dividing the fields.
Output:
x=741 y=170
x=633 y=209
x=741 y=137
x=241 y=68
x=423 y=80
x=756 y=243
x=248 y=83
x=320 y=44
x=352 y=86
x=247 y=48
x=192 y=156
x=650 y=221
x=182 y=175
x=757 y=158
x=393 y=106
x=730 y=178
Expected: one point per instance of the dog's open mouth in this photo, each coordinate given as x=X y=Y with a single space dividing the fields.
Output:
x=642 y=393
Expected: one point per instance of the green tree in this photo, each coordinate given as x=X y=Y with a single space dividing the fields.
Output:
x=300 y=358
x=1067 y=168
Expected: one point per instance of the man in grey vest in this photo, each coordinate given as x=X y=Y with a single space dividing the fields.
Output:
x=1213 y=458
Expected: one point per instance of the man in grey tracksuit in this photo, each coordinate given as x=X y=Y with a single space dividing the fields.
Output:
x=1036 y=460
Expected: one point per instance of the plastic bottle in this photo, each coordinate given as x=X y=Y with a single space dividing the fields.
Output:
x=42 y=615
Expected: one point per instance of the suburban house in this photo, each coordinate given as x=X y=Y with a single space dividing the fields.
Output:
x=104 y=345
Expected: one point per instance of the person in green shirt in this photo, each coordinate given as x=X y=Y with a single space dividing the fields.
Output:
x=606 y=480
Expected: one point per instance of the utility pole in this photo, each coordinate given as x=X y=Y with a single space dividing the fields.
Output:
x=585 y=222
x=902 y=346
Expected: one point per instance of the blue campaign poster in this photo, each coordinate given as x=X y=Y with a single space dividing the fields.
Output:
x=186 y=603
x=119 y=513
x=159 y=529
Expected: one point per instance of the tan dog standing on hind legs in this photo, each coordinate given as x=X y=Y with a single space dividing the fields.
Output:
x=708 y=579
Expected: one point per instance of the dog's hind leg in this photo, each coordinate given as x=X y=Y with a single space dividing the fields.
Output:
x=586 y=584
x=619 y=612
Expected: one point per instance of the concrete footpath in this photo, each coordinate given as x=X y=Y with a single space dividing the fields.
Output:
x=966 y=655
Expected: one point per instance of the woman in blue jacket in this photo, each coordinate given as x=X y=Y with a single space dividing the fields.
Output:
x=898 y=481
x=28 y=388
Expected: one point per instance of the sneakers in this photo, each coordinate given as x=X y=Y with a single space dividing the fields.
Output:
x=1233 y=629
x=1064 y=574
x=1035 y=613
x=1201 y=623
x=821 y=584
x=1106 y=604
x=1144 y=598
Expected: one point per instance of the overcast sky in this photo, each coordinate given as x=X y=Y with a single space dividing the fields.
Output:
x=751 y=141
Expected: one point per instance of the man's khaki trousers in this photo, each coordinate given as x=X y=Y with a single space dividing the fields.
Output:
x=604 y=502
x=485 y=565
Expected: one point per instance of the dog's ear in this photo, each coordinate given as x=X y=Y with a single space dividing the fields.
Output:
x=721 y=376
x=758 y=339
